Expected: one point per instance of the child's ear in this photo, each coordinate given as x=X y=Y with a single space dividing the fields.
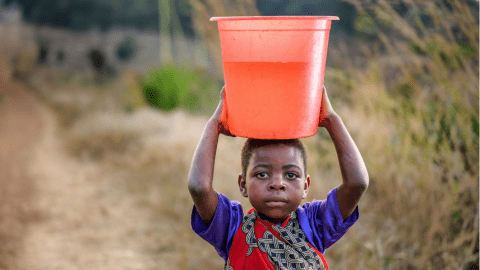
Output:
x=306 y=186
x=242 y=184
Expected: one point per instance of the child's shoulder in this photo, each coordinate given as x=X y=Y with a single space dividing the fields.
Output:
x=309 y=205
x=315 y=205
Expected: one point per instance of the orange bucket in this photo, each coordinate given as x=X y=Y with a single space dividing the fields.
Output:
x=274 y=68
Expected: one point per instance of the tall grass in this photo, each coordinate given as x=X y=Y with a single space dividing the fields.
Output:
x=406 y=85
x=415 y=92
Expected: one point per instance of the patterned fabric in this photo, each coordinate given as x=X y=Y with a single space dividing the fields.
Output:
x=259 y=244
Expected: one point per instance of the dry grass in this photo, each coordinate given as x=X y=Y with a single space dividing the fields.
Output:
x=412 y=112
x=148 y=153
x=407 y=89
x=414 y=115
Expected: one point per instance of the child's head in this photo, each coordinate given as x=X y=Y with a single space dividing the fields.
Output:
x=252 y=144
x=274 y=176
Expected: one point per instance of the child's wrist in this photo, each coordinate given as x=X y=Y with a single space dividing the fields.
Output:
x=214 y=124
x=331 y=120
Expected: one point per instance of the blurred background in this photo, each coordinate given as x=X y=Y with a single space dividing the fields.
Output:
x=102 y=104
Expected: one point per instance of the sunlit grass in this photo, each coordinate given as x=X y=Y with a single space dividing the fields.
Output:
x=414 y=116
x=408 y=96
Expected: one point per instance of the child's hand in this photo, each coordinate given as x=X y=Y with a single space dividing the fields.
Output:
x=217 y=116
x=326 y=110
x=354 y=173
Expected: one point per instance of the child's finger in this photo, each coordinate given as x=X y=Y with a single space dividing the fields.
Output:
x=324 y=110
x=222 y=92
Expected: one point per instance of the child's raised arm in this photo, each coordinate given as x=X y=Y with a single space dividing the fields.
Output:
x=354 y=172
x=201 y=170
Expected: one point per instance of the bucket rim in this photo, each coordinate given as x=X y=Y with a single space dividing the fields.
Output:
x=238 y=18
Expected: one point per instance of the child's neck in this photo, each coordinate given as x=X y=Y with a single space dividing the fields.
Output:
x=275 y=221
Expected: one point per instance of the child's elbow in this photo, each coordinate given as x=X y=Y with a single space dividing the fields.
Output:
x=364 y=182
x=196 y=189
x=360 y=186
x=193 y=188
x=363 y=186
x=361 y=183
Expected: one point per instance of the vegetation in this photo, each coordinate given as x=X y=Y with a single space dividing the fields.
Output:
x=406 y=84
x=169 y=87
x=416 y=93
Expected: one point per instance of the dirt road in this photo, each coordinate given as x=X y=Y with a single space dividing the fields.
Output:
x=20 y=124
x=129 y=210
x=59 y=213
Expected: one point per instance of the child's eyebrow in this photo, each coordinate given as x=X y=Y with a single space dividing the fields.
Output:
x=290 y=166
x=263 y=165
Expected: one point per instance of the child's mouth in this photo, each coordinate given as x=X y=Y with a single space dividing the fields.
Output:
x=275 y=203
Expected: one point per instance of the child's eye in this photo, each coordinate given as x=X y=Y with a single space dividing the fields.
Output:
x=261 y=175
x=291 y=175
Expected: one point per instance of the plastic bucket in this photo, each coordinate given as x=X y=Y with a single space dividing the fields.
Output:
x=273 y=68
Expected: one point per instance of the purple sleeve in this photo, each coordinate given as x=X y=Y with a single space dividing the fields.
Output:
x=322 y=221
x=225 y=223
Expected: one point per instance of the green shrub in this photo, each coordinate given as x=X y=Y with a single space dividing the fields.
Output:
x=169 y=87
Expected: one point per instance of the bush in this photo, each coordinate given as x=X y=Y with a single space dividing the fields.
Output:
x=169 y=87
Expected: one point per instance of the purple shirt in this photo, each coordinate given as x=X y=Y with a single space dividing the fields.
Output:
x=321 y=221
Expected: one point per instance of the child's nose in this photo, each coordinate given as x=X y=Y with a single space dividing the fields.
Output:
x=277 y=184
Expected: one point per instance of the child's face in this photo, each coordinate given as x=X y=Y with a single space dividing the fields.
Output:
x=275 y=182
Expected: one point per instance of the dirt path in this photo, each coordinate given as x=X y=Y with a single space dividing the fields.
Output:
x=132 y=212
x=90 y=223
x=57 y=212
x=20 y=124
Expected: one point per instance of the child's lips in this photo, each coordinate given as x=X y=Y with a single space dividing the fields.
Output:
x=276 y=203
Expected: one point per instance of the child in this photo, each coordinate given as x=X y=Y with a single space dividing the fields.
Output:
x=277 y=233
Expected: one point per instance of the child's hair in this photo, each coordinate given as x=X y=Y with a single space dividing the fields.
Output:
x=252 y=144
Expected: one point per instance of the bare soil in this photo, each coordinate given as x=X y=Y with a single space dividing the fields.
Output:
x=57 y=212
x=21 y=122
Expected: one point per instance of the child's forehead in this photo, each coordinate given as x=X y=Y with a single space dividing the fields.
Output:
x=277 y=152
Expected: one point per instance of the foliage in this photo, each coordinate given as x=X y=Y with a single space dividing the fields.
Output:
x=169 y=87
x=166 y=87
x=407 y=87
x=408 y=95
x=416 y=90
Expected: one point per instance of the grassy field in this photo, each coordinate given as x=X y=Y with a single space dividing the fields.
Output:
x=412 y=92
x=406 y=85
x=407 y=90
x=420 y=211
